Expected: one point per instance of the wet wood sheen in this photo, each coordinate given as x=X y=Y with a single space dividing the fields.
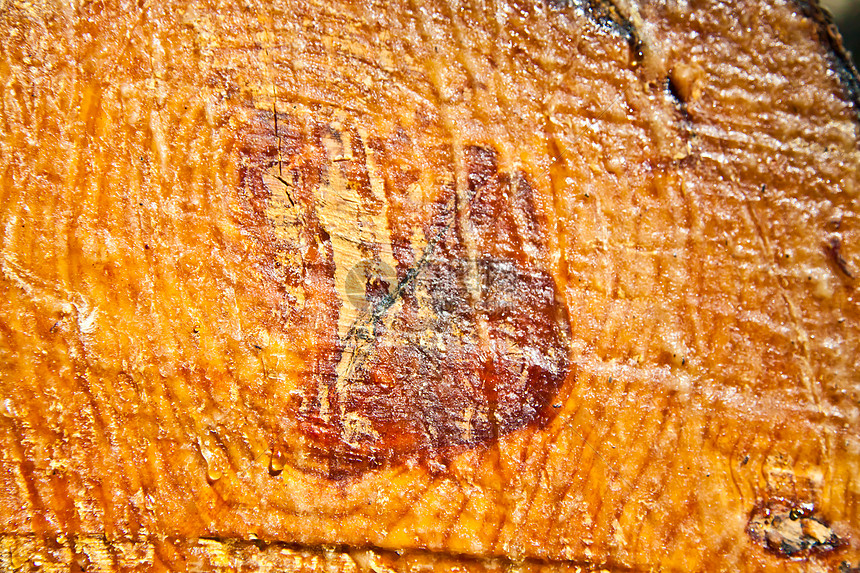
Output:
x=468 y=286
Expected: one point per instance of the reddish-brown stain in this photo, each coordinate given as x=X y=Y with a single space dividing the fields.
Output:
x=467 y=343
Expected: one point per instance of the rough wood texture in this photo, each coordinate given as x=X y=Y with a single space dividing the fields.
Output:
x=95 y=553
x=550 y=285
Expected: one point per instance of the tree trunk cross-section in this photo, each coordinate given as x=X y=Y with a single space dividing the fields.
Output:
x=473 y=286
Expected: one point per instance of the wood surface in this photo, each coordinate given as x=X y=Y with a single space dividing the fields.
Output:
x=482 y=286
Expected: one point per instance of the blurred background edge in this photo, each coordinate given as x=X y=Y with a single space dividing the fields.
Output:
x=846 y=14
